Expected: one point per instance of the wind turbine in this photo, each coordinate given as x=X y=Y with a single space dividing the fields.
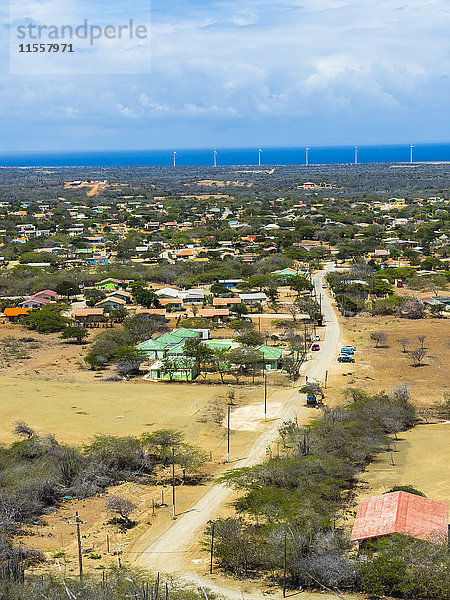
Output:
x=307 y=157
x=174 y=158
x=215 y=158
x=356 y=155
x=411 y=160
x=259 y=157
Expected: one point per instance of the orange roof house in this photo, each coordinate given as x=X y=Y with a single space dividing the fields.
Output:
x=226 y=301
x=14 y=313
x=400 y=512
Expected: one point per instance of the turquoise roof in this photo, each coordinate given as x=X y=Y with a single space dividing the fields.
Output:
x=270 y=352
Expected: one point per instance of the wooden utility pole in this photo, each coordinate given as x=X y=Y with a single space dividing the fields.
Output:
x=173 y=482
x=80 y=552
x=326 y=377
x=228 y=433
x=212 y=548
x=265 y=396
x=284 y=568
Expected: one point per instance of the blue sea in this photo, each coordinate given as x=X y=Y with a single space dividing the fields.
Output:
x=317 y=155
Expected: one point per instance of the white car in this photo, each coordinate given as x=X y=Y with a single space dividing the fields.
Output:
x=349 y=347
x=317 y=338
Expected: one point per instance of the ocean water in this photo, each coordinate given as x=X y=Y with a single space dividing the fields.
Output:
x=230 y=156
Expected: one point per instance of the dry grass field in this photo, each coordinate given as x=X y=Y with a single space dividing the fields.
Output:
x=383 y=368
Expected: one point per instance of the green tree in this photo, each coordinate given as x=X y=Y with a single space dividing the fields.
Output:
x=47 y=319
x=74 y=333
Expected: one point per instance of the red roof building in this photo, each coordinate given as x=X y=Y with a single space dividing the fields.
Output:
x=401 y=512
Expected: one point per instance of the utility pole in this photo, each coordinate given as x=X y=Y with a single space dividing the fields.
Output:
x=228 y=433
x=284 y=568
x=212 y=548
x=80 y=553
x=326 y=377
x=173 y=482
x=320 y=302
x=265 y=396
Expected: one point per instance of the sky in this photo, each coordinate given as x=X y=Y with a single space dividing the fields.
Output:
x=232 y=73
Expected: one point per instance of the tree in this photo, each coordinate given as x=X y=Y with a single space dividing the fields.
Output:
x=411 y=308
x=47 y=319
x=298 y=283
x=293 y=310
x=379 y=337
x=128 y=359
x=221 y=362
x=312 y=388
x=143 y=326
x=93 y=296
x=143 y=296
x=405 y=488
x=418 y=355
x=421 y=339
x=404 y=342
x=74 y=333
x=121 y=507
x=169 y=366
x=251 y=338
x=201 y=354
x=23 y=430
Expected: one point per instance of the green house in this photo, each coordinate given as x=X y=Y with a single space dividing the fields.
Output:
x=186 y=371
x=271 y=357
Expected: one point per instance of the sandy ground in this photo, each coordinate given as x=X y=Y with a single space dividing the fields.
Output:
x=177 y=548
x=379 y=369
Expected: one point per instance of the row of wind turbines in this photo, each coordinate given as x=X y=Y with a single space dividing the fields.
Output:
x=307 y=149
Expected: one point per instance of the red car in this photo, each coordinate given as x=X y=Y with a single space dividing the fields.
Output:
x=315 y=347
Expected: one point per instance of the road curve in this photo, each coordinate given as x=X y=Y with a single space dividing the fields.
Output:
x=166 y=552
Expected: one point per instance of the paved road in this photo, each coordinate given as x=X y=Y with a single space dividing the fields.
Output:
x=166 y=553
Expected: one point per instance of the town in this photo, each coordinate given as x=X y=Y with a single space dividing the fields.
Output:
x=248 y=361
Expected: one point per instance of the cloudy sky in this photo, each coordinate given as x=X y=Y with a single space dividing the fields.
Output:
x=235 y=73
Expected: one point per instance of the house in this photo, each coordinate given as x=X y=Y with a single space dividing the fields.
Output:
x=151 y=311
x=186 y=370
x=110 y=301
x=230 y=283
x=167 y=343
x=88 y=315
x=34 y=302
x=121 y=295
x=49 y=294
x=168 y=292
x=112 y=284
x=271 y=357
x=257 y=297
x=226 y=301
x=193 y=296
x=15 y=314
x=214 y=313
x=400 y=512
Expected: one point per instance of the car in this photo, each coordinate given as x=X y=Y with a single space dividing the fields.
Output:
x=346 y=358
x=346 y=351
x=315 y=347
x=350 y=347
x=317 y=338
x=307 y=337
x=324 y=287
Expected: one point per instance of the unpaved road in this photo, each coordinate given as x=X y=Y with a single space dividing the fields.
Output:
x=166 y=553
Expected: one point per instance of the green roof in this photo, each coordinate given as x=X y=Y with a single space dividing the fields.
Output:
x=185 y=333
x=270 y=352
x=151 y=345
x=219 y=344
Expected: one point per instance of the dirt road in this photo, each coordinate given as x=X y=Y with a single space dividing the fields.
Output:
x=167 y=552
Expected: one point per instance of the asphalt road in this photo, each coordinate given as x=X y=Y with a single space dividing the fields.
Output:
x=167 y=552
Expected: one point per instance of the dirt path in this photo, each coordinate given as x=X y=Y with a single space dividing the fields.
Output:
x=167 y=552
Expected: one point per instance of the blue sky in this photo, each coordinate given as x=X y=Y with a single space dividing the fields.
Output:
x=245 y=73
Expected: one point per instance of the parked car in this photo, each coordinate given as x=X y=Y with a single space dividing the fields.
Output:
x=350 y=347
x=307 y=337
x=315 y=347
x=317 y=338
x=346 y=358
x=311 y=399
x=324 y=286
x=346 y=351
